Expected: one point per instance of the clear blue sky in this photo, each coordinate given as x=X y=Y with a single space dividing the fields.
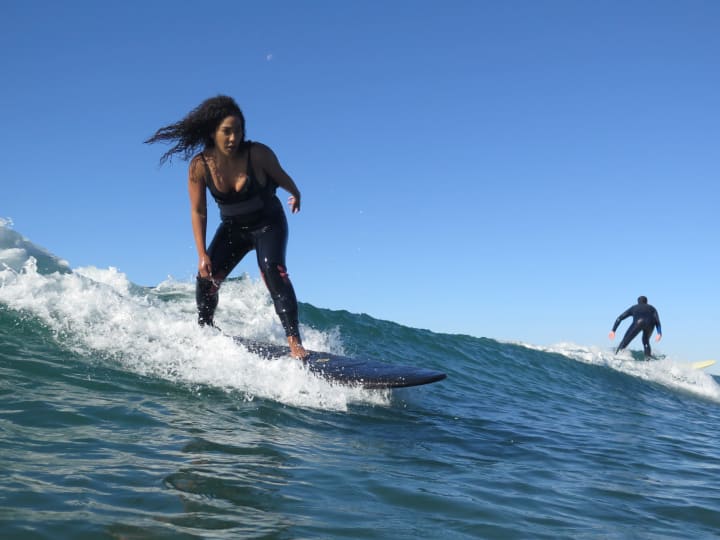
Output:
x=520 y=170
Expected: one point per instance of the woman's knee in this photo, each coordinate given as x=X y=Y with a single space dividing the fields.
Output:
x=275 y=275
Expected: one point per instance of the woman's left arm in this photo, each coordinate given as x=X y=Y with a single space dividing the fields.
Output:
x=274 y=170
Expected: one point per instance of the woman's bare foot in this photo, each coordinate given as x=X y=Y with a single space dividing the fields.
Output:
x=296 y=348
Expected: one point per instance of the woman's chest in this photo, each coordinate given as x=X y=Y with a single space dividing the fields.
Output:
x=229 y=177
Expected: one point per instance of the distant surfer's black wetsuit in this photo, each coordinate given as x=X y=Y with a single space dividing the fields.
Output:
x=252 y=218
x=645 y=318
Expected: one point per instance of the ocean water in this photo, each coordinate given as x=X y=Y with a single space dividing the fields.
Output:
x=121 y=419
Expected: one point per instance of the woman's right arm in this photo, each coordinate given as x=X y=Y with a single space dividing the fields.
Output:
x=198 y=214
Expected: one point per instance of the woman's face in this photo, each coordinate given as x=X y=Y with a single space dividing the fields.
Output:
x=229 y=135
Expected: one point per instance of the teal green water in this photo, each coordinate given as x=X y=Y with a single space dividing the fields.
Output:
x=119 y=418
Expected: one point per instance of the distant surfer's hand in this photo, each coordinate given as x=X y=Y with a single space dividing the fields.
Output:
x=611 y=335
x=658 y=337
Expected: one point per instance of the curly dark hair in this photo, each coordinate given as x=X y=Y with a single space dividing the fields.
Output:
x=197 y=128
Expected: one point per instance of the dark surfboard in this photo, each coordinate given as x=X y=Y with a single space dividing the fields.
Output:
x=351 y=371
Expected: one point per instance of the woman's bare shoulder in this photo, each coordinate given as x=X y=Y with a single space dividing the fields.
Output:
x=196 y=168
x=263 y=153
x=259 y=148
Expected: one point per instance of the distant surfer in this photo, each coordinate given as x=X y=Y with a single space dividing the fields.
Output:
x=645 y=319
x=242 y=177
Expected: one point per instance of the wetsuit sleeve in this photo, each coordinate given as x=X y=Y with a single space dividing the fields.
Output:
x=624 y=315
x=657 y=323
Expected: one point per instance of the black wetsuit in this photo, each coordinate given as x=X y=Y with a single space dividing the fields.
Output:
x=645 y=318
x=252 y=218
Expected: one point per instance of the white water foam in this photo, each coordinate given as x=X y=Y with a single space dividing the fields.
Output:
x=673 y=373
x=15 y=249
x=100 y=315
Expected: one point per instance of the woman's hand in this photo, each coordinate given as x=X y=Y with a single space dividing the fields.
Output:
x=205 y=266
x=294 y=203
